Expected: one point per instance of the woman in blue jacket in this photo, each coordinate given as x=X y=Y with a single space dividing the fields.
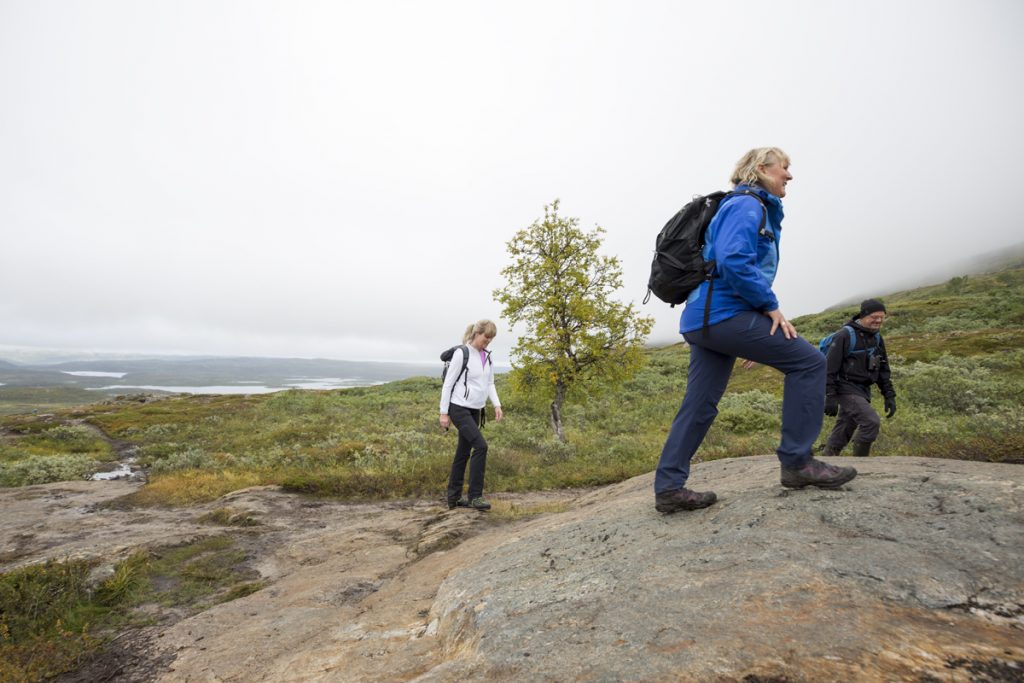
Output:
x=742 y=320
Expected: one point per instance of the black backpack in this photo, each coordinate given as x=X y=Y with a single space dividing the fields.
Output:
x=446 y=357
x=679 y=266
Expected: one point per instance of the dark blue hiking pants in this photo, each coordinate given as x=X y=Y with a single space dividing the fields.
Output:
x=712 y=354
x=472 y=448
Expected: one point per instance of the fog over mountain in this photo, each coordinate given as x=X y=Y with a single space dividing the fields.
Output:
x=339 y=180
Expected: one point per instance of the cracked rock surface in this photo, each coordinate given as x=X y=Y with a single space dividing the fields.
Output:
x=912 y=572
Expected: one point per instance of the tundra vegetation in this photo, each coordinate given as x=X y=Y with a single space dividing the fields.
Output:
x=957 y=351
x=54 y=616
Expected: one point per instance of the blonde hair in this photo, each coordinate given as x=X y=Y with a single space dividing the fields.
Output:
x=746 y=172
x=484 y=327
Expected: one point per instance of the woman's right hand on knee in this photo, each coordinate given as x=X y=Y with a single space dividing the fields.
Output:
x=779 y=322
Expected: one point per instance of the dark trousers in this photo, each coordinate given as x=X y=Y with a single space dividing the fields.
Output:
x=855 y=415
x=472 y=447
x=713 y=351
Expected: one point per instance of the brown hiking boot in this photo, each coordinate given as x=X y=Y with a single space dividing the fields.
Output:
x=817 y=473
x=683 y=499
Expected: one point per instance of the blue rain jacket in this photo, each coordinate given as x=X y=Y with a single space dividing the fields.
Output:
x=746 y=262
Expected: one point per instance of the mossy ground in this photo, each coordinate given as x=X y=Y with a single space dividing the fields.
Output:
x=54 y=617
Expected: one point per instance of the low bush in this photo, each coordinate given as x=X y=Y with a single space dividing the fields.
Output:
x=45 y=616
x=44 y=469
x=951 y=385
x=749 y=411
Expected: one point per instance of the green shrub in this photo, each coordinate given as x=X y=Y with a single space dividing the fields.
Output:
x=191 y=457
x=44 y=469
x=749 y=411
x=45 y=613
x=950 y=384
x=73 y=438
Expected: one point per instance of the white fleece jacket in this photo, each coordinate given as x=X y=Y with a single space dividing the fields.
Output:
x=474 y=387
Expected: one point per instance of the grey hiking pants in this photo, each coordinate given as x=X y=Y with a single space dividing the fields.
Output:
x=855 y=415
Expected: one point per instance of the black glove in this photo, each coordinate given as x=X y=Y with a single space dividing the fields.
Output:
x=831 y=405
x=890 y=406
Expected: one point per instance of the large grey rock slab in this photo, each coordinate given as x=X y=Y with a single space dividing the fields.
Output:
x=913 y=571
x=73 y=520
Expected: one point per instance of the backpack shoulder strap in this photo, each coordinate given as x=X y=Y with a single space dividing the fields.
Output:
x=853 y=338
x=464 y=370
x=764 y=212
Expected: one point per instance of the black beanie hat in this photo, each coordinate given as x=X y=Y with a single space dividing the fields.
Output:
x=869 y=306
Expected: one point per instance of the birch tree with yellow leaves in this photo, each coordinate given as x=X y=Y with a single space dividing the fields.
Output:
x=578 y=339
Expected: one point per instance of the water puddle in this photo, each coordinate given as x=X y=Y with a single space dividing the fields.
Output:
x=123 y=471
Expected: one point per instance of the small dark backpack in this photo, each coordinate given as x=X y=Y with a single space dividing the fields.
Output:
x=679 y=267
x=446 y=357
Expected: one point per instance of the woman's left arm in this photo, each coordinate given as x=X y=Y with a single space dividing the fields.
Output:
x=492 y=393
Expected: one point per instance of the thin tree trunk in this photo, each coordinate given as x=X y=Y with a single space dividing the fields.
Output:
x=556 y=411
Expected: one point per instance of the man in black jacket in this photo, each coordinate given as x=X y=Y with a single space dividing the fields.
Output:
x=856 y=360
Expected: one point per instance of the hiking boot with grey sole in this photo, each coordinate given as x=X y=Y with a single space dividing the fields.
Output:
x=817 y=473
x=460 y=503
x=479 y=504
x=683 y=499
x=862 y=449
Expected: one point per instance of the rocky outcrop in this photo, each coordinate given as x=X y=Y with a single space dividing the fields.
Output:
x=913 y=571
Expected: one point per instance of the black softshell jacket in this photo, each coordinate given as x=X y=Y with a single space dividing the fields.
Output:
x=849 y=373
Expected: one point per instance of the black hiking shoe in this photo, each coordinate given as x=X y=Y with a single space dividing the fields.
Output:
x=817 y=473
x=683 y=499
x=830 y=452
x=460 y=503
x=478 y=504
x=862 y=449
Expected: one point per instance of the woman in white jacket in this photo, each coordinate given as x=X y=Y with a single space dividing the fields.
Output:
x=463 y=397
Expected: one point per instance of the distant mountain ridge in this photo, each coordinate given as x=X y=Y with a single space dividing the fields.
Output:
x=206 y=371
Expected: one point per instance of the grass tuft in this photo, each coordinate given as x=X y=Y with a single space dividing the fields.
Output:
x=53 y=618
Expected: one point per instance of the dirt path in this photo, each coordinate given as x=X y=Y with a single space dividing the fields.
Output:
x=348 y=585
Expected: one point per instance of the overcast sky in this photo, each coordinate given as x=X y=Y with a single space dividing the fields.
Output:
x=283 y=178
